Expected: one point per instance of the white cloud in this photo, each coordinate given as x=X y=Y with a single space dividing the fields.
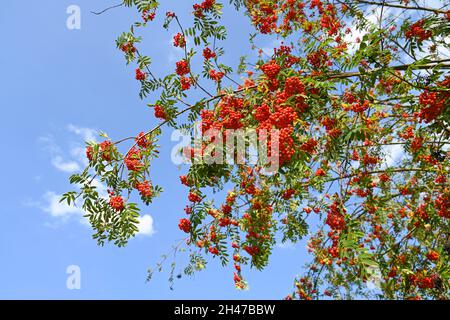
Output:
x=65 y=166
x=50 y=201
x=268 y=50
x=286 y=245
x=77 y=151
x=440 y=52
x=174 y=56
x=49 y=144
x=433 y=3
x=62 y=212
x=57 y=159
x=373 y=13
x=175 y=53
x=59 y=209
x=101 y=188
x=145 y=225
x=394 y=153
x=358 y=33
x=87 y=134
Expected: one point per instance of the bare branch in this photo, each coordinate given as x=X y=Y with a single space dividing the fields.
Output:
x=107 y=9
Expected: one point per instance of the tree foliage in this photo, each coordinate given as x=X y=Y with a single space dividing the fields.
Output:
x=341 y=104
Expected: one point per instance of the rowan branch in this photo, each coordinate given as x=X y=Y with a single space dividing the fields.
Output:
x=180 y=113
x=330 y=76
x=400 y=6
x=380 y=171
x=402 y=67
x=186 y=57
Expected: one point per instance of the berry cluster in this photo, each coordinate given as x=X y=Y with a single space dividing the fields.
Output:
x=107 y=150
x=216 y=75
x=185 y=83
x=194 y=197
x=133 y=160
x=179 y=40
x=128 y=48
x=271 y=69
x=417 y=31
x=116 y=202
x=184 y=225
x=148 y=15
x=208 y=54
x=182 y=68
x=141 y=76
x=318 y=59
x=160 y=113
x=142 y=140
x=205 y=6
x=265 y=19
x=335 y=218
x=293 y=85
x=433 y=103
x=145 y=189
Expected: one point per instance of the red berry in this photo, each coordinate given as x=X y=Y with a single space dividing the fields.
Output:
x=116 y=202
x=140 y=75
x=184 y=225
x=182 y=68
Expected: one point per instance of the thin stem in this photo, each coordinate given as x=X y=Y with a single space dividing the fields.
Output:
x=180 y=113
x=381 y=171
x=186 y=57
x=399 y=6
x=107 y=9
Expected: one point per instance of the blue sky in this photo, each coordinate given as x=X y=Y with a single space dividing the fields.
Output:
x=58 y=87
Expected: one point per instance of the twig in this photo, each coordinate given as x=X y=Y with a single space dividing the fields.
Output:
x=107 y=9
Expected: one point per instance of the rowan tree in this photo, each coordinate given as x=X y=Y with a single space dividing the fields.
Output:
x=338 y=105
